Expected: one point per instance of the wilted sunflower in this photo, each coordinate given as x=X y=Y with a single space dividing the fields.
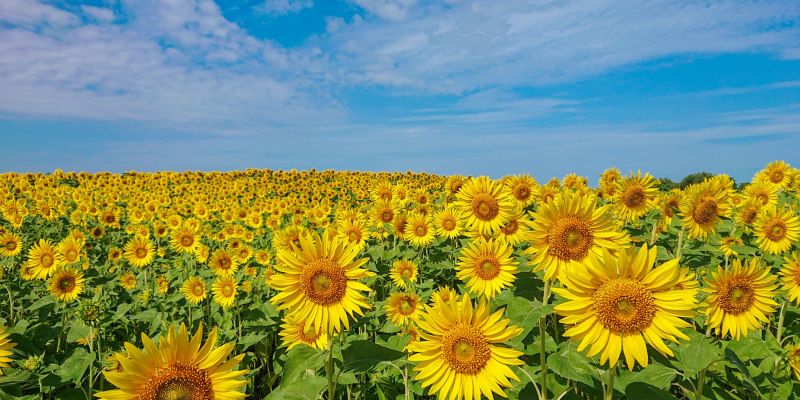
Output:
x=702 y=209
x=403 y=272
x=177 y=368
x=295 y=331
x=139 y=251
x=776 y=230
x=67 y=284
x=419 y=231
x=460 y=352
x=224 y=290
x=320 y=280
x=571 y=231
x=194 y=290
x=740 y=299
x=42 y=259
x=448 y=222
x=624 y=303
x=5 y=349
x=486 y=204
x=403 y=308
x=790 y=277
x=635 y=196
x=486 y=267
x=10 y=244
x=222 y=262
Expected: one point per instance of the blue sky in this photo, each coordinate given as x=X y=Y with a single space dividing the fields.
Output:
x=445 y=86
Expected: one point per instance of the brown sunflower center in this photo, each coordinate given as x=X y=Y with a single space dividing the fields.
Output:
x=66 y=284
x=407 y=305
x=227 y=290
x=776 y=176
x=109 y=218
x=354 y=236
x=421 y=230
x=141 y=252
x=484 y=206
x=178 y=382
x=705 y=210
x=324 y=281
x=775 y=230
x=197 y=290
x=465 y=349
x=510 y=228
x=71 y=255
x=385 y=194
x=762 y=198
x=633 y=197
x=11 y=245
x=448 y=223
x=46 y=260
x=487 y=268
x=736 y=296
x=624 y=305
x=521 y=192
x=309 y=333
x=386 y=215
x=406 y=272
x=571 y=239
x=187 y=240
x=749 y=215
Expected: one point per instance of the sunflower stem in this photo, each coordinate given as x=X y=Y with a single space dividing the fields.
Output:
x=91 y=364
x=653 y=233
x=329 y=373
x=405 y=380
x=10 y=302
x=63 y=322
x=542 y=334
x=698 y=393
x=779 y=332
x=612 y=374
x=679 y=247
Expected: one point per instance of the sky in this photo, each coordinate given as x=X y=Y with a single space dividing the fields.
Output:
x=444 y=86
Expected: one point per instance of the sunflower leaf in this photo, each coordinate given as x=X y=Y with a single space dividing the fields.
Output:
x=364 y=356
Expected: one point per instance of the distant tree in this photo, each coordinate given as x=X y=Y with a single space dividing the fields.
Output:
x=696 y=177
x=666 y=184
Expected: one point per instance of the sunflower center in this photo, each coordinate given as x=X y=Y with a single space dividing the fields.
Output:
x=570 y=239
x=353 y=236
x=187 y=240
x=387 y=215
x=510 y=228
x=66 y=284
x=197 y=290
x=227 y=290
x=465 y=349
x=109 y=219
x=624 y=305
x=705 y=210
x=449 y=223
x=178 y=382
x=46 y=260
x=487 y=268
x=421 y=230
x=749 y=215
x=324 y=281
x=762 y=197
x=736 y=296
x=776 y=176
x=407 y=306
x=633 y=197
x=141 y=252
x=484 y=206
x=71 y=255
x=11 y=245
x=522 y=192
x=775 y=230
x=406 y=273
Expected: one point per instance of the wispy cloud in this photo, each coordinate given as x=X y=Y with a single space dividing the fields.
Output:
x=282 y=7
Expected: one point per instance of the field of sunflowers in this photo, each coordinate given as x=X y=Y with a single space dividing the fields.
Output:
x=287 y=285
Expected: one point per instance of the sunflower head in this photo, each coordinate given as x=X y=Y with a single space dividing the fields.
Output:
x=486 y=204
x=66 y=285
x=403 y=308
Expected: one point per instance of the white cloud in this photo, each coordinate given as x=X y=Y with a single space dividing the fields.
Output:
x=98 y=13
x=388 y=9
x=30 y=13
x=282 y=7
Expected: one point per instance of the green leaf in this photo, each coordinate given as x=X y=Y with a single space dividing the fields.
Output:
x=750 y=347
x=364 y=355
x=73 y=368
x=641 y=390
x=307 y=389
x=77 y=330
x=44 y=301
x=696 y=354
x=298 y=360
x=570 y=364
x=655 y=375
x=250 y=339
x=525 y=314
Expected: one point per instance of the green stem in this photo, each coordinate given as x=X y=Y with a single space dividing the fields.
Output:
x=91 y=364
x=63 y=322
x=612 y=374
x=698 y=394
x=679 y=247
x=653 y=233
x=542 y=335
x=329 y=373
x=779 y=333
x=10 y=303
x=405 y=381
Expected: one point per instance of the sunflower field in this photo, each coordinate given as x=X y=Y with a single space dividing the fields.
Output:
x=287 y=285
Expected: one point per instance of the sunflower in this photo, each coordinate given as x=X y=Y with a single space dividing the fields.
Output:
x=382 y=213
x=703 y=207
x=454 y=184
x=448 y=222
x=486 y=204
x=403 y=272
x=419 y=231
x=114 y=254
x=460 y=355
x=790 y=277
x=515 y=230
x=177 y=368
x=403 y=308
x=139 y=251
x=777 y=173
x=69 y=250
x=608 y=181
x=5 y=349
x=223 y=262
x=128 y=281
x=747 y=213
x=571 y=231
x=776 y=230
x=624 y=303
x=42 y=259
x=670 y=203
x=320 y=280
x=224 y=290
x=740 y=299
x=522 y=188
x=727 y=245
x=67 y=284
x=765 y=193
x=635 y=196
x=353 y=231
x=793 y=356
x=162 y=284
x=295 y=331
x=194 y=290
x=10 y=244
x=547 y=193
x=444 y=294
x=184 y=240
x=486 y=267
